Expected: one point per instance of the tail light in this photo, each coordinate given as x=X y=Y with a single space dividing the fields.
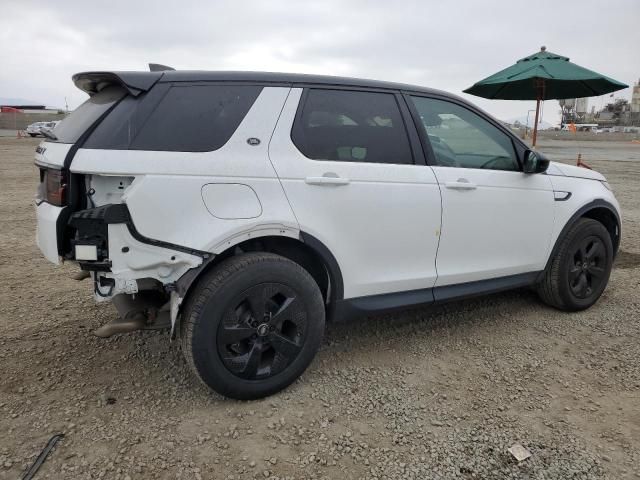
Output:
x=55 y=186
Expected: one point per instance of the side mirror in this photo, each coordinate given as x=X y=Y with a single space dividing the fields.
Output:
x=534 y=162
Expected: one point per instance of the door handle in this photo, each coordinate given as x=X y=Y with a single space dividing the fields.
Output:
x=461 y=184
x=327 y=179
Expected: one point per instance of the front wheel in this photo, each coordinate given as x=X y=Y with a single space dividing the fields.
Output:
x=253 y=325
x=580 y=269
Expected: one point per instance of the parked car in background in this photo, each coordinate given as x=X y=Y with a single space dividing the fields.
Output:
x=35 y=129
x=243 y=209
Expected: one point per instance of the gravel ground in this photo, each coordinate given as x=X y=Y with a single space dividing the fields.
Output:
x=433 y=393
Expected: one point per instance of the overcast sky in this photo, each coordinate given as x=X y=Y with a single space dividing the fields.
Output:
x=442 y=44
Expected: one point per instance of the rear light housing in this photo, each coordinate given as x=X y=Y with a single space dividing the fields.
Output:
x=54 y=186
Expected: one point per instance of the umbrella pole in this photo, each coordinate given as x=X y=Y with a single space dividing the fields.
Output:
x=535 y=124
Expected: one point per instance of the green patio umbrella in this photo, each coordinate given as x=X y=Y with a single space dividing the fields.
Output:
x=544 y=76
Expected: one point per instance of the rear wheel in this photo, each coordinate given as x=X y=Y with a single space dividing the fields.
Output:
x=579 y=272
x=253 y=325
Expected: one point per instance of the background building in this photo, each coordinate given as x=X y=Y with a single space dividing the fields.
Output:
x=635 y=98
x=17 y=113
x=582 y=106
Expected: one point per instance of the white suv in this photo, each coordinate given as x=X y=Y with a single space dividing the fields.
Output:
x=243 y=209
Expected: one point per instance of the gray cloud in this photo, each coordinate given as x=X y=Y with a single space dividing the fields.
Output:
x=446 y=45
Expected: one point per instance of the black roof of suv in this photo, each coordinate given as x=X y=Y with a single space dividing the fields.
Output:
x=138 y=82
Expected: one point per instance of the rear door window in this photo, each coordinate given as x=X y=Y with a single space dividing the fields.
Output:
x=73 y=126
x=351 y=126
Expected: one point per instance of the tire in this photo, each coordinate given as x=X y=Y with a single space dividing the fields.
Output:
x=32 y=134
x=580 y=270
x=252 y=325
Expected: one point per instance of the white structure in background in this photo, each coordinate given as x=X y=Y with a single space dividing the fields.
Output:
x=567 y=102
x=635 y=98
x=574 y=109
x=578 y=105
x=582 y=105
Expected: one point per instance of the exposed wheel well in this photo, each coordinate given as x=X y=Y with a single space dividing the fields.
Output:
x=328 y=279
x=607 y=218
x=294 y=250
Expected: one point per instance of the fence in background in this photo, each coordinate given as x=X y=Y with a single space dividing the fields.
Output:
x=19 y=121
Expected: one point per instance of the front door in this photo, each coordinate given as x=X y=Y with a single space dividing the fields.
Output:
x=497 y=221
x=347 y=167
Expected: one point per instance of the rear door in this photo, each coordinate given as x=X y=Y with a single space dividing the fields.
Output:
x=349 y=171
x=496 y=220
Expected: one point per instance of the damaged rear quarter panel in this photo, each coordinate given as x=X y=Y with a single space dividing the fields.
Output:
x=165 y=199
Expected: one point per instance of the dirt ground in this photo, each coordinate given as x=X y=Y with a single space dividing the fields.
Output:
x=439 y=392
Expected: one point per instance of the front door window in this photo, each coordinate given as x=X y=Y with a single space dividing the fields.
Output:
x=461 y=138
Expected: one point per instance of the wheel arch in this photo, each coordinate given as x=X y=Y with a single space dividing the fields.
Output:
x=307 y=251
x=599 y=210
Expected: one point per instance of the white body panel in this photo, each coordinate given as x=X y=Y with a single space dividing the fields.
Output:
x=501 y=225
x=166 y=199
x=583 y=191
x=381 y=223
x=143 y=260
x=107 y=188
x=51 y=154
x=231 y=201
x=578 y=172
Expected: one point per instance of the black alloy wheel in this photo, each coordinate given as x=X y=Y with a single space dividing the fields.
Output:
x=579 y=270
x=252 y=325
x=587 y=271
x=262 y=331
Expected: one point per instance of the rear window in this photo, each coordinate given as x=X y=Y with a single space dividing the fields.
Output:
x=182 y=118
x=73 y=126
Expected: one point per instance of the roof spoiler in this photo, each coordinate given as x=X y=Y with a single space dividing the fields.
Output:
x=134 y=82
x=158 y=67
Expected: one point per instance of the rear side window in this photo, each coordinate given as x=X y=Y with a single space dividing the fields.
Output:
x=351 y=126
x=196 y=118
x=73 y=126
x=188 y=118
